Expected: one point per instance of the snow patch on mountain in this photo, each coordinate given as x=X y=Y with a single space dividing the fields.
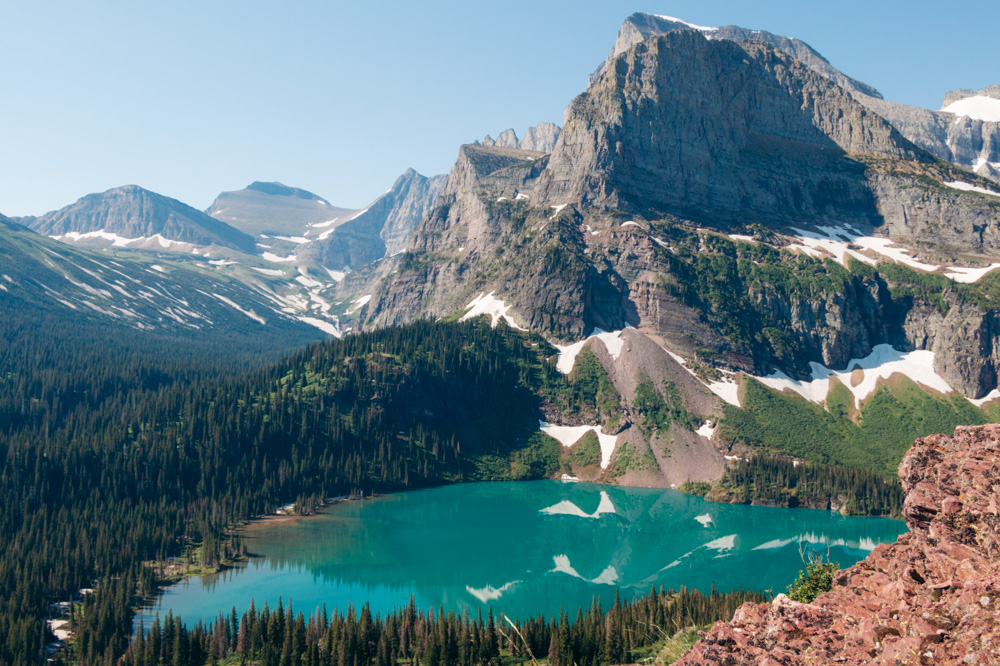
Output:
x=977 y=107
x=322 y=325
x=359 y=303
x=567 y=354
x=969 y=275
x=270 y=256
x=570 y=435
x=967 y=187
x=861 y=376
x=250 y=313
x=488 y=304
x=690 y=25
x=274 y=272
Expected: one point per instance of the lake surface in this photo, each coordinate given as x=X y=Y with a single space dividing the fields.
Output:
x=525 y=548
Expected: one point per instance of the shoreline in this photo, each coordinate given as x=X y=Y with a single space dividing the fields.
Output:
x=255 y=524
x=147 y=602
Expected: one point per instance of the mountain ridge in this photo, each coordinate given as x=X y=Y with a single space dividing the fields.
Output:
x=131 y=212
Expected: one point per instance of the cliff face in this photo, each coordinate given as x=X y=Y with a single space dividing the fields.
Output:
x=930 y=598
x=971 y=143
x=712 y=130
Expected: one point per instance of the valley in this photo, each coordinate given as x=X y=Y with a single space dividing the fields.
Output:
x=639 y=364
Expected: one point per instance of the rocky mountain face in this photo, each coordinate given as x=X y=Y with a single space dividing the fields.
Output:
x=679 y=200
x=134 y=217
x=273 y=209
x=131 y=213
x=640 y=26
x=541 y=138
x=379 y=230
x=969 y=142
x=696 y=127
x=929 y=598
x=953 y=96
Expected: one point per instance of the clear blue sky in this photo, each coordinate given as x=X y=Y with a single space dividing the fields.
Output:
x=193 y=98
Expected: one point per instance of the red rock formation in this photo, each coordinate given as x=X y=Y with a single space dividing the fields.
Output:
x=930 y=598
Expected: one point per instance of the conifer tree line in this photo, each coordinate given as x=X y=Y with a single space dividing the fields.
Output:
x=115 y=455
x=411 y=636
x=109 y=460
x=771 y=479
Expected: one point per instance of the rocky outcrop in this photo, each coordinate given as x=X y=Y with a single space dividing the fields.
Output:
x=955 y=95
x=964 y=341
x=273 y=208
x=413 y=197
x=540 y=138
x=131 y=212
x=640 y=27
x=930 y=598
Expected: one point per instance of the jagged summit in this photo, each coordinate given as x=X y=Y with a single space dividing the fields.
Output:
x=641 y=26
x=133 y=216
x=380 y=229
x=539 y=138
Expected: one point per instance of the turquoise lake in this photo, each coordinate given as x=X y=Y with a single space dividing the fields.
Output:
x=524 y=547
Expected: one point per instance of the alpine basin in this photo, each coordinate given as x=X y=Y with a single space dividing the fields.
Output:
x=524 y=548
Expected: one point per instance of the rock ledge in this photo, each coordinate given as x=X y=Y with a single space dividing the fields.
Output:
x=930 y=598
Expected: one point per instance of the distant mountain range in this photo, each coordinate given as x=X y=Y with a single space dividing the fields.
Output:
x=723 y=214
x=133 y=217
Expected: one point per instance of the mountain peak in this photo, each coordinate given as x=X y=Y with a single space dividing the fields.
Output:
x=134 y=214
x=641 y=26
x=273 y=208
x=540 y=138
x=701 y=163
x=281 y=190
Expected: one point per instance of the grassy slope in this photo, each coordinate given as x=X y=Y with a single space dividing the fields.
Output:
x=873 y=438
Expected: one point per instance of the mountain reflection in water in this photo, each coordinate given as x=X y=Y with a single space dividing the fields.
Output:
x=524 y=548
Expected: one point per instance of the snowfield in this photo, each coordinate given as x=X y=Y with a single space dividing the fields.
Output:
x=978 y=107
x=882 y=363
x=967 y=187
x=570 y=435
x=488 y=304
x=568 y=353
